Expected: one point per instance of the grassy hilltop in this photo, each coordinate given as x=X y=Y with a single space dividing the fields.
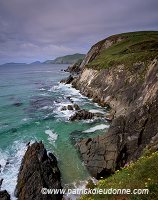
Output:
x=133 y=47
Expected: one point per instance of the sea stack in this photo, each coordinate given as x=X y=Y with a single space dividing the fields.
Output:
x=38 y=170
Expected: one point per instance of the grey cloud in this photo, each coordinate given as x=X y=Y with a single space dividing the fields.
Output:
x=44 y=29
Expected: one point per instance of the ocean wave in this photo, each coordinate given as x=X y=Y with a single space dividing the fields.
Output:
x=3 y=160
x=96 y=128
x=79 y=185
x=96 y=111
x=11 y=161
x=52 y=136
x=63 y=113
x=46 y=108
x=42 y=89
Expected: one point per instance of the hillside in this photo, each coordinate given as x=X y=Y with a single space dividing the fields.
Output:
x=120 y=72
x=136 y=175
x=126 y=48
x=68 y=59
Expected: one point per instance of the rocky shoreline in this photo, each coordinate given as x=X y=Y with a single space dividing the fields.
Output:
x=132 y=96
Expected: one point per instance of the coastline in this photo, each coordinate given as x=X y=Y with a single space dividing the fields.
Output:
x=133 y=101
x=131 y=97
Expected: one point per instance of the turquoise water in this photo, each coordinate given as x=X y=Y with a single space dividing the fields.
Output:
x=31 y=99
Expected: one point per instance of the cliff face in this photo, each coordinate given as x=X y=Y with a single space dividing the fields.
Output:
x=38 y=170
x=130 y=88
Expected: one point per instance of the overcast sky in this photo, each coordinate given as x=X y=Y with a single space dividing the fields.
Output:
x=44 y=29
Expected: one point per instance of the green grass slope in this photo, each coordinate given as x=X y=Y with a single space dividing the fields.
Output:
x=143 y=174
x=135 y=47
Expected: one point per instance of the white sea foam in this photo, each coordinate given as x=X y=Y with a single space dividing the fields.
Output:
x=25 y=119
x=3 y=160
x=52 y=136
x=95 y=128
x=68 y=89
x=42 y=89
x=96 y=104
x=96 y=111
x=46 y=108
x=45 y=95
x=55 y=87
x=79 y=185
x=10 y=171
x=63 y=113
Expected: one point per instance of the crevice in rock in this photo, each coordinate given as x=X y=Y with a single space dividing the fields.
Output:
x=141 y=133
x=104 y=173
x=122 y=157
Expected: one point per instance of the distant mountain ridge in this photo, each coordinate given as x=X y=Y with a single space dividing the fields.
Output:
x=68 y=59
x=13 y=63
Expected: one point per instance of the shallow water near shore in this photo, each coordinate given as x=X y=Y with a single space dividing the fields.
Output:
x=31 y=99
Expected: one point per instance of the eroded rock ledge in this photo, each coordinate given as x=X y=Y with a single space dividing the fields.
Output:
x=132 y=95
x=38 y=170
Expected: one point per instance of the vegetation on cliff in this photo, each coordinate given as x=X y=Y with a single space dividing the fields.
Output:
x=142 y=174
x=121 y=72
x=129 y=49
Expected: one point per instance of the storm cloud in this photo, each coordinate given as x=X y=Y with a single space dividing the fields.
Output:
x=44 y=29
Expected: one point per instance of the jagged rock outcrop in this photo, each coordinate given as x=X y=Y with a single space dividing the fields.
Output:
x=82 y=114
x=67 y=80
x=132 y=94
x=38 y=170
x=75 y=68
x=4 y=195
x=70 y=107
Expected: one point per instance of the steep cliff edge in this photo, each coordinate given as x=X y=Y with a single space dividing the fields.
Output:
x=38 y=170
x=122 y=72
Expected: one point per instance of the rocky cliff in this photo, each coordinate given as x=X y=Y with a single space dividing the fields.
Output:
x=122 y=73
x=38 y=170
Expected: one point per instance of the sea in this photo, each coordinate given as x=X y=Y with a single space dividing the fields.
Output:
x=31 y=101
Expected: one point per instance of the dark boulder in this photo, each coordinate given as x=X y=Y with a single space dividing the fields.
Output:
x=76 y=107
x=70 y=107
x=4 y=195
x=82 y=114
x=67 y=80
x=38 y=170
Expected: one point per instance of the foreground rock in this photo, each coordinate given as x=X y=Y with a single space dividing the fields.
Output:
x=82 y=114
x=4 y=195
x=37 y=171
x=132 y=94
